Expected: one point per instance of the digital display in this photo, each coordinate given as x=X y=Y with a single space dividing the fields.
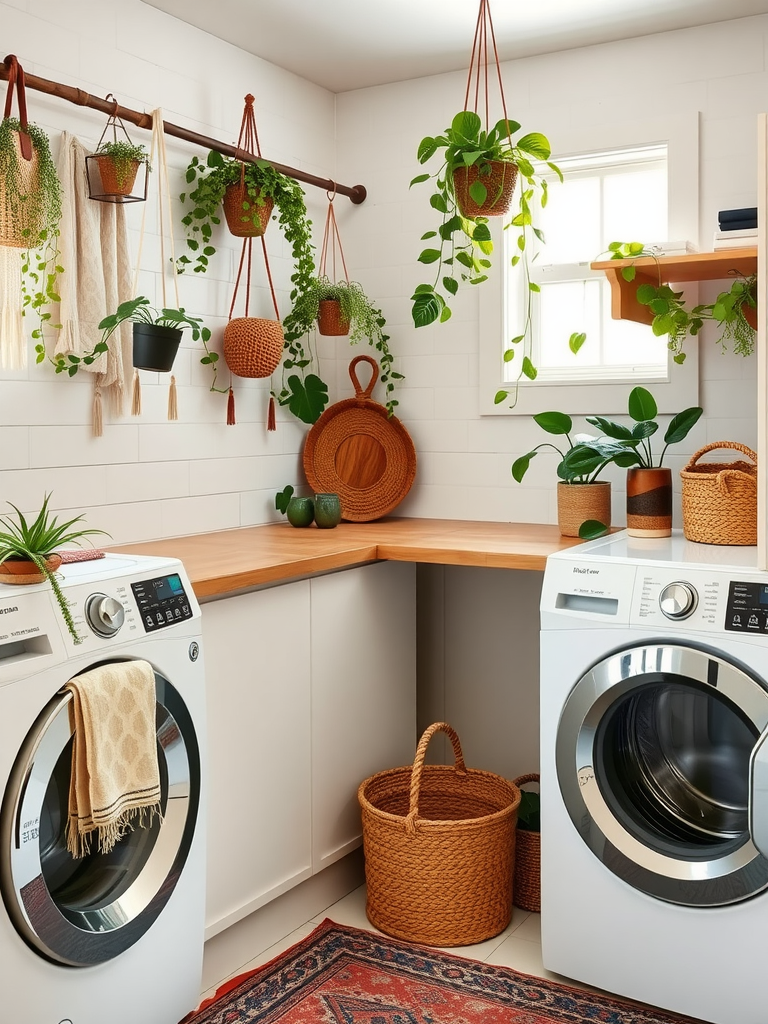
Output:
x=162 y=602
x=747 y=609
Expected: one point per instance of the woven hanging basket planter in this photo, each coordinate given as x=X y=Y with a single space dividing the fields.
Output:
x=331 y=322
x=577 y=503
x=439 y=843
x=20 y=571
x=527 y=887
x=245 y=217
x=499 y=182
x=117 y=180
x=720 y=498
x=253 y=346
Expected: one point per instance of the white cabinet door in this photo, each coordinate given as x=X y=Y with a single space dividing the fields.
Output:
x=363 y=693
x=258 y=683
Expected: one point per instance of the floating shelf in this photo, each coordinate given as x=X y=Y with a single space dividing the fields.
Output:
x=696 y=266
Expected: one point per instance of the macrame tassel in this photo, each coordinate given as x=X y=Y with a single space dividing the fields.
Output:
x=136 y=395
x=231 y=421
x=97 y=416
x=173 y=400
x=271 y=424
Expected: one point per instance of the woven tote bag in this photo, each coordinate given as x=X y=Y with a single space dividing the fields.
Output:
x=439 y=844
x=720 y=498
x=20 y=221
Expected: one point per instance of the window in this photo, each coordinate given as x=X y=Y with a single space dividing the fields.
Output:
x=645 y=191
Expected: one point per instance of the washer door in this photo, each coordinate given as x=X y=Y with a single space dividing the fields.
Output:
x=653 y=761
x=87 y=911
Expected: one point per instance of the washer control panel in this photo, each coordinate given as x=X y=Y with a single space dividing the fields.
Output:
x=161 y=602
x=678 y=600
x=747 y=608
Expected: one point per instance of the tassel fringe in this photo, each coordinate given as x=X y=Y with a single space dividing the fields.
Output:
x=271 y=419
x=231 y=421
x=173 y=400
x=136 y=395
x=97 y=415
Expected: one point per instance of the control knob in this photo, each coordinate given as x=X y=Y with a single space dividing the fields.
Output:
x=678 y=600
x=105 y=615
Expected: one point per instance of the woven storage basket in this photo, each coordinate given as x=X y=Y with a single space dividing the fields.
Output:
x=527 y=885
x=439 y=844
x=720 y=498
x=253 y=346
x=499 y=183
x=245 y=223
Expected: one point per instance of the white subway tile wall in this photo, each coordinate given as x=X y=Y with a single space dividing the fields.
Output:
x=148 y=478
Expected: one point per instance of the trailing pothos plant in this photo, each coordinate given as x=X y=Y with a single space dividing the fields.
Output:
x=463 y=244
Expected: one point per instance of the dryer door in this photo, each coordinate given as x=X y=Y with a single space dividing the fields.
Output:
x=87 y=911
x=653 y=761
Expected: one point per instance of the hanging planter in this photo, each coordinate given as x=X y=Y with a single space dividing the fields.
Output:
x=113 y=169
x=247 y=215
x=331 y=322
x=156 y=334
x=155 y=347
x=496 y=177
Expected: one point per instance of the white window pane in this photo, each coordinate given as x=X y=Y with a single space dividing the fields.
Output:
x=635 y=207
x=626 y=342
x=571 y=221
x=567 y=308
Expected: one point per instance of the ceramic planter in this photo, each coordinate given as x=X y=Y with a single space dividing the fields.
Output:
x=245 y=217
x=576 y=503
x=649 y=502
x=330 y=320
x=499 y=183
x=300 y=511
x=155 y=346
x=117 y=180
x=327 y=510
x=20 y=571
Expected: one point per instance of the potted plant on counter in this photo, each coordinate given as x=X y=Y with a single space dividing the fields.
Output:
x=28 y=551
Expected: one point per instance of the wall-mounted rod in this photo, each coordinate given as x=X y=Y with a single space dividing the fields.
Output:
x=356 y=193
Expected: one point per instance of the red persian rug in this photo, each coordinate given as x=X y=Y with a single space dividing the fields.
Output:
x=340 y=975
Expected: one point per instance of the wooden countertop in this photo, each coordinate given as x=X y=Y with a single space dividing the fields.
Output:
x=231 y=560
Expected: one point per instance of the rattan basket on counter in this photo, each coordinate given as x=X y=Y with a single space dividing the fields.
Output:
x=527 y=885
x=720 y=498
x=439 y=843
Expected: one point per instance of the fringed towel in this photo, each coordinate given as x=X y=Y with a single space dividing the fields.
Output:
x=115 y=781
x=13 y=341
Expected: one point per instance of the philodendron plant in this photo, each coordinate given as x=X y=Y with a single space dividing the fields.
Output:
x=585 y=457
x=636 y=440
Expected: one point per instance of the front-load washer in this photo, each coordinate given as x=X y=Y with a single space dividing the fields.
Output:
x=654 y=773
x=116 y=937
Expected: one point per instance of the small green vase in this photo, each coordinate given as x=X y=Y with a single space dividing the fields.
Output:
x=300 y=511
x=327 y=511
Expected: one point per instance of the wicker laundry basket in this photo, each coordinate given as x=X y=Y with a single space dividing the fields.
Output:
x=439 y=844
x=527 y=885
x=720 y=498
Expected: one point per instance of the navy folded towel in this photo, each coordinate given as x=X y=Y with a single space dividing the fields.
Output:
x=738 y=225
x=747 y=213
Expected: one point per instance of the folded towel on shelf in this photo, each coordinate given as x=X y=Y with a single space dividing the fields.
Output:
x=737 y=225
x=115 y=779
x=745 y=213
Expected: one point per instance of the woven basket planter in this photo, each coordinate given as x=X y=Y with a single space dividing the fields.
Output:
x=720 y=498
x=499 y=183
x=576 y=503
x=439 y=844
x=527 y=886
x=114 y=182
x=331 y=323
x=245 y=217
x=19 y=226
x=253 y=346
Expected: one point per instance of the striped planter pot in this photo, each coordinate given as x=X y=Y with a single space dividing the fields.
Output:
x=649 y=502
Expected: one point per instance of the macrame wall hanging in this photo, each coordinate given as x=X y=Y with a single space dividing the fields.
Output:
x=118 y=171
x=253 y=346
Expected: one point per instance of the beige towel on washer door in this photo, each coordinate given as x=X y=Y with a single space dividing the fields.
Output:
x=115 y=781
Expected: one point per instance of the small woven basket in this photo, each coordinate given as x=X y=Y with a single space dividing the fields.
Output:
x=331 y=323
x=253 y=346
x=527 y=885
x=439 y=844
x=250 y=222
x=499 y=184
x=720 y=498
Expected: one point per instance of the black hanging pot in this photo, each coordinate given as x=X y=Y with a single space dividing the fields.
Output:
x=155 y=346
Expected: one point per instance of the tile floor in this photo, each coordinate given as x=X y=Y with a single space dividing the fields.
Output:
x=518 y=946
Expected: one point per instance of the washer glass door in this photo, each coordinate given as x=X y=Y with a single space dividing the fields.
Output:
x=86 y=911
x=653 y=761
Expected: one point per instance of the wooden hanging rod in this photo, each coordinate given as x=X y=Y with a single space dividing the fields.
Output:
x=356 y=193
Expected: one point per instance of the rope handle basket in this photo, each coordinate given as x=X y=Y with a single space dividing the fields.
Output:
x=720 y=498
x=418 y=765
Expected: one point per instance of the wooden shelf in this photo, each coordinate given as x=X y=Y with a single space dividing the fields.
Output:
x=696 y=266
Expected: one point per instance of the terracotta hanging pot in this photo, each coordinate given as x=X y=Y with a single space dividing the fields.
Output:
x=577 y=503
x=245 y=217
x=155 y=346
x=20 y=571
x=750 y=315
x=649 y=502
x=499 y=181
x=253 y=346
x=117 y=181
x=331 y=322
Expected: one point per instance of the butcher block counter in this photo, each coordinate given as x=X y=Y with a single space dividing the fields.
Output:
x=233 y=560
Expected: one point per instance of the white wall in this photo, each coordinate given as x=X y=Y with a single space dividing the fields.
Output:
x=147 y=478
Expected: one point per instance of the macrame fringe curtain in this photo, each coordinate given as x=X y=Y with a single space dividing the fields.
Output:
x=13 y=342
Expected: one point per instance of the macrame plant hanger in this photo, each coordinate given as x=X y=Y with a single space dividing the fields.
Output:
x=330 y=319
x=159 y=160
x=253 y=346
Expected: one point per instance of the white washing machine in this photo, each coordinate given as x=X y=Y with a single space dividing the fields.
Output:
x=115 y=937
x=654 y=774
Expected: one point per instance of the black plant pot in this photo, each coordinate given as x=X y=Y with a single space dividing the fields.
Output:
x=155 y=347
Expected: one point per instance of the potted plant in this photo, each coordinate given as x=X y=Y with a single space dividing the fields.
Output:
x=476 y=180
x=649 y=484
x=156 y=335
x=736 y=312
x=583 y=501
x=28 y=552
x=118 y=162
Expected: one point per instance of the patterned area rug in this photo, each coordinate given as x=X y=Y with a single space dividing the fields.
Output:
x=340 y=975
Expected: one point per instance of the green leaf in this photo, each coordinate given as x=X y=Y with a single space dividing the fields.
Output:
x=429 y=256
x=426 y=308
x=591 y=529
x=451 y=285
x=445 y=314
x=520 y=466
x=282 y=498
x=529 y=369
x=427 y=148
x=307 y=398
x=642 y=405
x=536 y=145
x=681 y=424
x=554 y=422
x=645 y=429
x=575 y=341
x=499 y=397
x=610 y=429
x=645 y=293
x=466 y=124
x=419 y=178
x=437 y=202
x=428 y=234
x=629 y=273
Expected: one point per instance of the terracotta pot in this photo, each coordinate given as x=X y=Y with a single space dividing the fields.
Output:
x=330 y=321
x=155 y=346
x=649 y=502
x=117 y=181
x=750 y=315
x=247 y=222
x=20 y=571
x=576 y=503
x=499 y=182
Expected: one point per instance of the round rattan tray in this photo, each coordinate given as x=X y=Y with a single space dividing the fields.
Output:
x=360 y=453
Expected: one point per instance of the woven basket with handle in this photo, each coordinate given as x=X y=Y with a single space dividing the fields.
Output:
x=720 y=498
x=527 y=886
x=20 y=220
x=439 y=844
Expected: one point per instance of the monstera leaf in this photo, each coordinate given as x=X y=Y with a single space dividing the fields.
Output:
x=307 y=398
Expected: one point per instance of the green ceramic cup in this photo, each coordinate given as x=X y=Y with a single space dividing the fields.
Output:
x=327 y=510
x=300 y=511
